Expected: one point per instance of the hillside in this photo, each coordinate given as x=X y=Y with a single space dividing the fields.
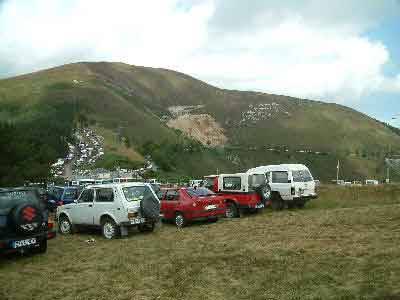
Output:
x=190 y=127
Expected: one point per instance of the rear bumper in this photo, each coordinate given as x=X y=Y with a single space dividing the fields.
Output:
x=6 y=244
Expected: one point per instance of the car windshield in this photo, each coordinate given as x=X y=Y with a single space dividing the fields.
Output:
x=137 y=193
x=8 y=198
x=301 y=176
x=199 y=192
x=71 y=194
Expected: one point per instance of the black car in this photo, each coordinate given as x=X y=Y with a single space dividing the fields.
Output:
x=24 y=221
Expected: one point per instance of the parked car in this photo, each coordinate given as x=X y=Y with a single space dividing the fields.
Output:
x=240 y=191
x=291 y=184
x=183 y=205
x=24 y=223
x=59 y=195
x=112 y=207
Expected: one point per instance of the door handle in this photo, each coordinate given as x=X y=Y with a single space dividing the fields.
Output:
x=90 y=205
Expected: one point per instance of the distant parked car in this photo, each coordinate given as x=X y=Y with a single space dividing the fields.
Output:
x=112 y=207
x=184 y=205
x=24 y=223
x=58 y=195
x=371 y=182
x=291 y=184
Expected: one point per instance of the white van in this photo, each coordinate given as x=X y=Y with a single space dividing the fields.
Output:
x=291 y=184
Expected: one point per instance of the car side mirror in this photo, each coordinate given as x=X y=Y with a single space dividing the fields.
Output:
x=75 y=201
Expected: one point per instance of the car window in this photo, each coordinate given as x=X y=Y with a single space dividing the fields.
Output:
x=199 y=192
x=172 y=195
x=232 y=183
x=280 y=177
x=104 y=195
x=137 y=193
x=301 y=176
x=86 y=196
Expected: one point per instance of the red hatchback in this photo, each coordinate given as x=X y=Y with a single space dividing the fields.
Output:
x=186 y=204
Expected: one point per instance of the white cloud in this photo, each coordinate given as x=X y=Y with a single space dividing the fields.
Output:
x=314 y=49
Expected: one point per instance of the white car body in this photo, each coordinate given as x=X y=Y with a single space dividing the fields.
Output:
x=91 y=213
x=281 y=180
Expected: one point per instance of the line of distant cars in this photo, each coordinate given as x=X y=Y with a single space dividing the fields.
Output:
x=116 y=207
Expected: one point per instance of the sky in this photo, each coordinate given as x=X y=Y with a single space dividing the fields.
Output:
x=342 y=51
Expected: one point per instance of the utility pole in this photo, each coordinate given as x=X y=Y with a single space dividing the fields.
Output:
x=337 y=172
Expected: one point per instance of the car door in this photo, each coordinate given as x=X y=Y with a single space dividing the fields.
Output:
x=105 y=202
x=82 y=212
x=170 y=203
x=280 y=182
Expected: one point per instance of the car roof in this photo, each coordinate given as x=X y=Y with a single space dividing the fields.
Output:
x=282 y=167
x=114 y=184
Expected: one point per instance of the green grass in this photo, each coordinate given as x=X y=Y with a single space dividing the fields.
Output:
x=338 y=247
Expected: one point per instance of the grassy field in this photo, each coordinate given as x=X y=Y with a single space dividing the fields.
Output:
x=344 y=245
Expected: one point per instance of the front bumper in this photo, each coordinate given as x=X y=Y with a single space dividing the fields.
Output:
x=305 y=198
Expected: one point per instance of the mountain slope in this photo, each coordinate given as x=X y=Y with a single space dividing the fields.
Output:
x=141 y=103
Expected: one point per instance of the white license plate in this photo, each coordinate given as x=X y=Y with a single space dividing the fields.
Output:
x=210 y=207
x=260 y=206
x=23 y=243
x=137 y=221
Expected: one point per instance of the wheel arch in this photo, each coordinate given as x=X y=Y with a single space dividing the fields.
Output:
x=106 y=216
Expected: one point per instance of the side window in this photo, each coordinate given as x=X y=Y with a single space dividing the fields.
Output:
x=232 y=183
x=86 y=196
x=280 y=177
x=172 y=195
x=104 y=195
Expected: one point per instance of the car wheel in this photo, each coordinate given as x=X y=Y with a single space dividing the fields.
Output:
x=180 y=220
x=42 y=247
x=146 y=227
x=277 y=202
x=109 y=229
x=231 y=210
x=64 y=225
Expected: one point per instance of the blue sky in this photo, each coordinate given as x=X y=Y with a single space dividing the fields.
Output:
x=343 y=51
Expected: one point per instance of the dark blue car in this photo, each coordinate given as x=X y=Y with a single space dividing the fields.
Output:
x=60 y=195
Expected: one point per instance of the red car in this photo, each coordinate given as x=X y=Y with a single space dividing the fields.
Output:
x=240 y=191
x=183 y=205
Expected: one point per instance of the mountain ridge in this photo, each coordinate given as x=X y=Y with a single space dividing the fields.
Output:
x=135 y=101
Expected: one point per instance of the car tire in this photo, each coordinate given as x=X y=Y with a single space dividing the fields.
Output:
x=180 y=220
x=277 y=202
x=232 y=210
x=65 y=226
x=291 y=204
x=300 y=203
x=109 y=229
x=146 y=227
x=42 y=247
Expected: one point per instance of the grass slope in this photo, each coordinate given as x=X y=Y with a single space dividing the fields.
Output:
x=342 y=246
x=131 y=99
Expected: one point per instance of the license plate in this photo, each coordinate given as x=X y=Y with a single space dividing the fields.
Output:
x=210 y=207
x=23 y=243
x=260 y=206
x=137 y=221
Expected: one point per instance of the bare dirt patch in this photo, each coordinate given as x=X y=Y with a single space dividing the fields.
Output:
x=202 y=127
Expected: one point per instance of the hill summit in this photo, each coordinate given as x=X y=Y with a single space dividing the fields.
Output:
x=187 y=126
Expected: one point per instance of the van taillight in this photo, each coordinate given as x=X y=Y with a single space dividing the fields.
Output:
x=50 y=225
x=293 y=191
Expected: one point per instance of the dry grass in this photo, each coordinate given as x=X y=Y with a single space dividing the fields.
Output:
x=345 y=250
